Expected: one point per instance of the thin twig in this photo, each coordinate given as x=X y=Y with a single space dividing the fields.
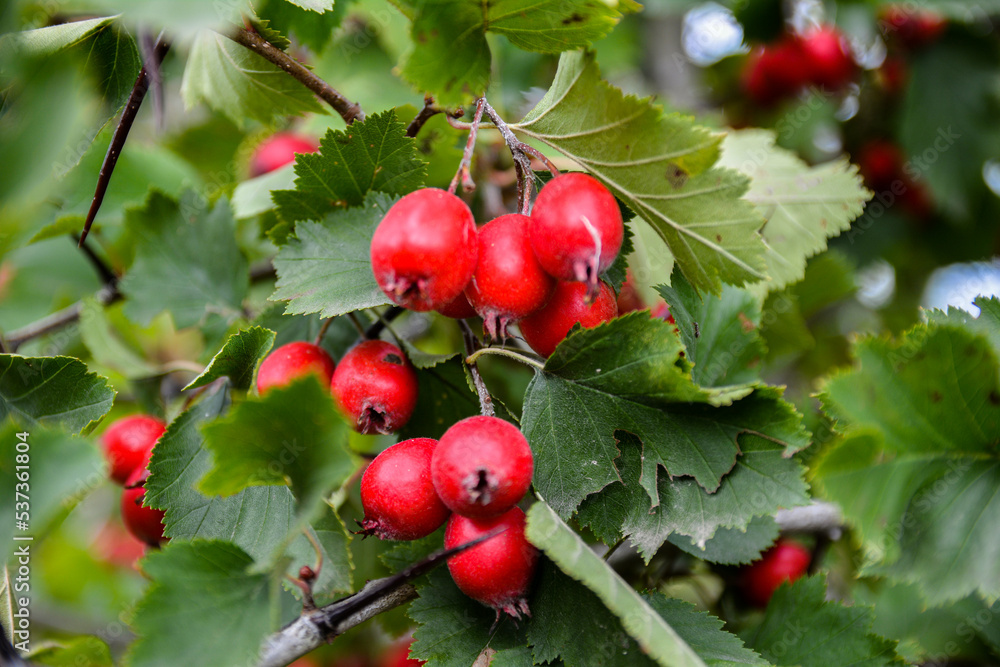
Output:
x=471 y=345
x=322 y=331
x=504 y=352
x=349 y=111
x=68 y=315
x=104 y=271
x=428 y=112
x=522 y=163
x=357 y=324
x=148 y=47
x=375 y=330
x=540 y=156
x=463 y=167
x=121 y=134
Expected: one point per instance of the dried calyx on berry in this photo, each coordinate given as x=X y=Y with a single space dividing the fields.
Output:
x=375 y=387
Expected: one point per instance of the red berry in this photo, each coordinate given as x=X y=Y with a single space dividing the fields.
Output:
x=629 y=298
x=913 y=27
x=459 y=309
x=482 y=466
x=576 y=229
x=497 y=572
x=398 y=655
x=292 y=361
x=662 y=311
x=508 y=282
x=785 y=561
x=424 y=251
x=397 y=493
x=881 y=163
x=546 y=328
x=375 y=387
x=145 y=523
x=128 y=443
x=775 y=71
x=827 y=57
x=279 y=150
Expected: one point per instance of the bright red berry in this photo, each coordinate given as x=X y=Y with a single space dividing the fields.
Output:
x=128 y=443
x=482 y=466
x=279 y=150
x=827 y=57
x=546 y=328
x=576 y=229
x=292 y=361
x=398 y=655
x=774 y=71
x=662 y=311
x=497 y=572
x=145 y=523
x=375 y=387
x=508 y=283
x=459 y=308
x=881 y=163
x=785 y=561
x=397 y=493
x=424 y=251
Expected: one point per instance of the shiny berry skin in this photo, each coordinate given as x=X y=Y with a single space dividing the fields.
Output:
x=576 y=228
x=774 y=71
x=827 y=57
x=375 y=387
x=482 y=466
x=458 y=309
x=508 y=283
x=128 y=442
x=397 y=494
x=424 y=251
x=398 y=655
x=785 y=561
x=145 y=523
x=279 y=150
x=497 y=572
x=546 y=328
x=292 y=361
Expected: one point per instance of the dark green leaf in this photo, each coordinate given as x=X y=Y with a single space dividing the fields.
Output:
x=312 y=26
x=186 y=261
x=733 y=546
x=201 y=592
x=802 y=628
x=237 y=359
x=660 y=166
x=52 y=391
x=373 y=154
x=89 y=651
x=326 y=269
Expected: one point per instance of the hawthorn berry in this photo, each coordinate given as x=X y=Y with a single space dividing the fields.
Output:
x=629 y=298
x=458 y=309
x=546 y=328
x=912 y=27
x=497 y=572
x=576 y=229
x=482 y=466
x=145 y=523
x=375 y=387
x=774 y=71
x=424 y=250
x=128 y=442
x=397 y=494
x=508 y=283
x=785 y=561
x=279 y=150
x=827 y=57
x=292 y=361
x=398 y=655
x=662 y=311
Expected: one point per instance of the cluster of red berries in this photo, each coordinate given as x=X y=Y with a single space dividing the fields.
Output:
x=472 y=478
x=541 y=271
x=374 y=384
x=128 y=445
x=906 y=29
x=820 y=57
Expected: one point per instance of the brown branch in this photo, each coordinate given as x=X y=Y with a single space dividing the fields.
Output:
x=428 y=112
x=104 y=271
x=121 y=134
x=463 y=167
x=471 y=345
x=349 y=111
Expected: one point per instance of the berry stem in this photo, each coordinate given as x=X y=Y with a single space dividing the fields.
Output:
x=357 y=325
x=504 y=352
x=391 y=313
x=522 y=163
x=471 y=345
x=427 y=113
x=323 y=330
x=470 y=145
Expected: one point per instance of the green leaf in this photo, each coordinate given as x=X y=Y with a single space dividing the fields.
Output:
x=253 y=196
x=52 y=39
x=260 y=520
x=443 y=398
x=660 y=166
x=186 y=261
x=918 y=471
x=733 y=546
x=804 y=206
x=63 y=470
x=237 y=359
x=801 y=628
x=451 y=60
x=655 y=636
x=326 y=269
x=312 y=26
x=762 y=481
x=987 y=323
x=108 y=345
x=373 y=154
x=623 y=377
x=318 y=6
x=241 y=84
x=719 y=332
x=89 y=651
x=52 y=391
x=201 y=592
x=292 y=435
